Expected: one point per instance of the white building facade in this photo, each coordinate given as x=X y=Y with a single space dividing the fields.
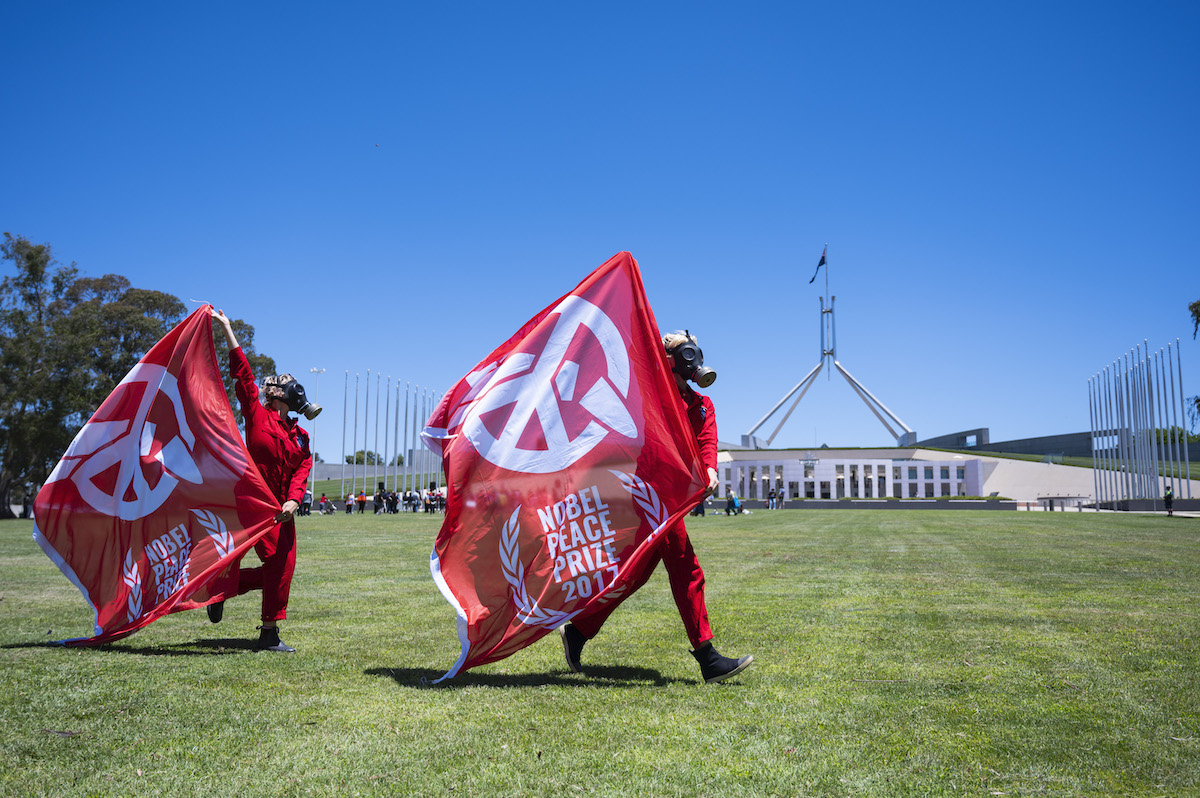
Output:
x=844 y=474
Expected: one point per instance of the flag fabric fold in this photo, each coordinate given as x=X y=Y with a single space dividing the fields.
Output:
x=156 y=499
x=820 y=263
x=567 y=454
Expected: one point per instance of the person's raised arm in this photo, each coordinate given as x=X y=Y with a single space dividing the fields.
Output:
x=223 y=320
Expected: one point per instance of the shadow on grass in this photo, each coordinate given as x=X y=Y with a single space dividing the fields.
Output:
x=593 y=677
x=197 y=648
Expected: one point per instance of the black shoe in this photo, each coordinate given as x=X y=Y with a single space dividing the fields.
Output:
x=215 y=611
x=268 y=640
x=715 y=668
x=572 y=640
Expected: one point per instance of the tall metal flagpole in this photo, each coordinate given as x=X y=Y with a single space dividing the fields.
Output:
x=1112 y=426
x=387 y=417
x=407 y=455
x=1177 y=469
x=437 y=398
x=1163 y=435
x=1152 y=421
x=1187 y=451
x=316 y=400
x=396 y=442
x=354 y=443
x=376 y=485
x=345 y=407
x=420 y=424
x=414 y=441
x=1125 y=427
x=1092 y=420
x=366 y=425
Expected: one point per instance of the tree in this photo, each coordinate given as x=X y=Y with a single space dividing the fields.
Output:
x=364 y=458
x=65 y=342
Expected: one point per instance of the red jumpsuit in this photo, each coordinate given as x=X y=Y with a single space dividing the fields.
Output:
x=675 y=550
x=280 y=450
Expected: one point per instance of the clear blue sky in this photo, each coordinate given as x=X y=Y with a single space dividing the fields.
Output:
x=1009 y=191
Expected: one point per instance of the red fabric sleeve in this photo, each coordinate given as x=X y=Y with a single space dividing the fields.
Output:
x=244 y=384
x=706 y=436
x=299 y=483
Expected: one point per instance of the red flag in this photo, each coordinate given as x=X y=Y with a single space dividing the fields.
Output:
x=567 y=454
x=157 y=495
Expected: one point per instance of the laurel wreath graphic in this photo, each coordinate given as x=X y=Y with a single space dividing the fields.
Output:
x=131 y=576
x=653 y=510
x=528 y=611
x=216 y=530
x=646 y=498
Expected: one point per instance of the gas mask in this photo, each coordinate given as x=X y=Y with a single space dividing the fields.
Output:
x=687 y=360
x=292 y=395
x=297 y=402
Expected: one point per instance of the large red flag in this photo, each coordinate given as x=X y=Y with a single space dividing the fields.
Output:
x=157 y=496
x=567 y=455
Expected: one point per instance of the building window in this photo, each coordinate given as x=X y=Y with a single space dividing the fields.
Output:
x=824 y=490
x=945 y=470
x=928 y=472
x=945 y=488
x=895 y=473
x=912 y=472
x=912 y=490
x=961 y=473
x=810 y=489
x=928 y=490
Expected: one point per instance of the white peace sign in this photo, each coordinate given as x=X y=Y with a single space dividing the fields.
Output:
x=535 y=384
x=102 y=444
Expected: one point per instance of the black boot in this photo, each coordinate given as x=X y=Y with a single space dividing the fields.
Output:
x=215 y=611
x=268 y=640
x=715 y=668
x=572 y=640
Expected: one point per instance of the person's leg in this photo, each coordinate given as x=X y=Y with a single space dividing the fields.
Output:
x=687 y=584
x=687 y=587
x=277 y=571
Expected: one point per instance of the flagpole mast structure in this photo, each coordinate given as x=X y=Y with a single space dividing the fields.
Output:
x=316 y=399
x=906 y=437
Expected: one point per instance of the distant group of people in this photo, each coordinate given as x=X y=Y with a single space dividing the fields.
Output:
x=388 y=502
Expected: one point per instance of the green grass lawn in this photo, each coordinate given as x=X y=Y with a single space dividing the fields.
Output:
x=899 y=653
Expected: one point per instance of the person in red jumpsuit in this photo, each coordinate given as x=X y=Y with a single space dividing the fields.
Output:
x=675 y=550
x=279 y=447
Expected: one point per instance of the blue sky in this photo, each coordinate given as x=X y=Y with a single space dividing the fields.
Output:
x=1009 y=191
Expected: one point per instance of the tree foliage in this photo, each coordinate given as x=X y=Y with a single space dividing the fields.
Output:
x=365 y=458
x=66 y=340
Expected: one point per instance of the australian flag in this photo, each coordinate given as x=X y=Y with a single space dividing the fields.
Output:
x=820 y=264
